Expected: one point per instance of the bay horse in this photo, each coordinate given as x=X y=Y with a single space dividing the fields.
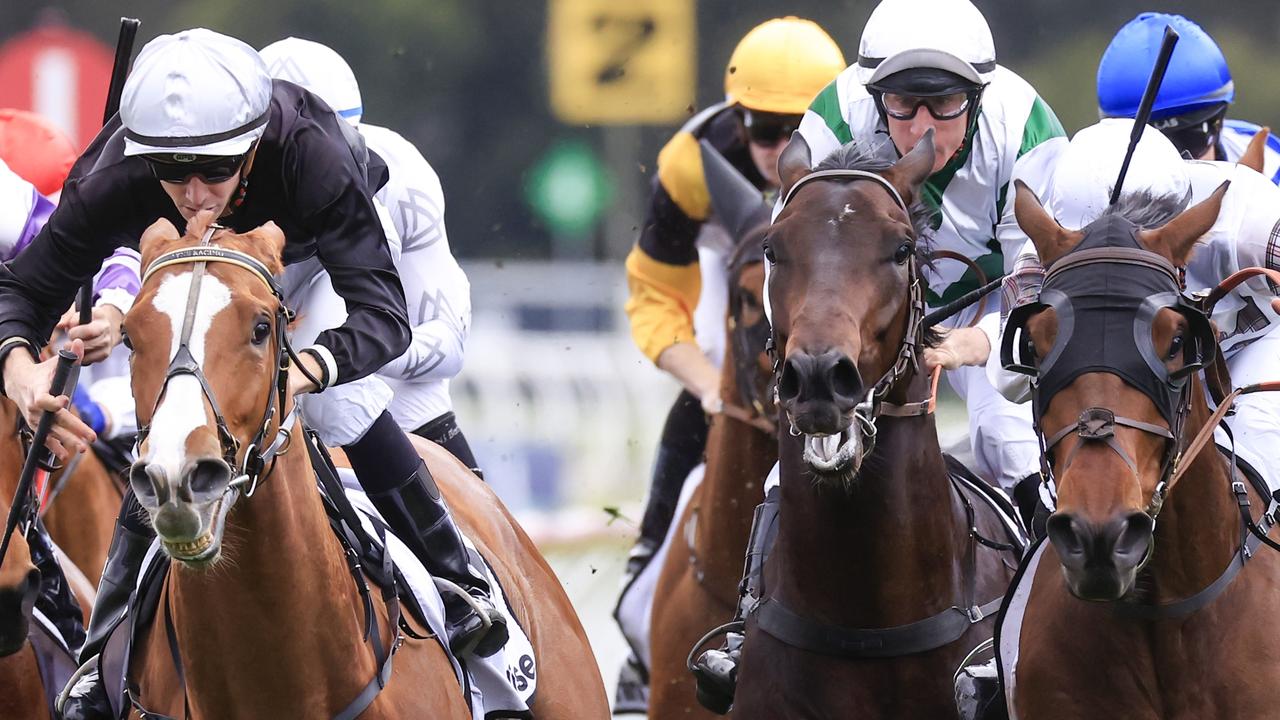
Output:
x=261 y=617
x=886 y=567
x=83 y=500
x=698 y=585
x=1127 y=616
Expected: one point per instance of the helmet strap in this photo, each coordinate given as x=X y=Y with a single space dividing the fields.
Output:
x=238 y=199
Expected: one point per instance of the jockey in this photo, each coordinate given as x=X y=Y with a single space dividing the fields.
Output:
x=931 y=64
x=436 y=288
x=677 y=271
x=202 y=127
x=1191 y=106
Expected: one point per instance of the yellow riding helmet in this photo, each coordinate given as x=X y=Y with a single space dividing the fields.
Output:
x=781 y=65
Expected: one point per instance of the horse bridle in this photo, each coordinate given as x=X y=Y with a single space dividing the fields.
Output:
x=873 y=404
x=256 y=455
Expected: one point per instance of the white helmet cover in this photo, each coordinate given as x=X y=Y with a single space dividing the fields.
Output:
x=1085 y=172
x=317 y=68
x=197 y=92
x=949 y=35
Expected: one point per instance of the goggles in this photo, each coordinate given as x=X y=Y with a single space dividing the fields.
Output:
x=769 y=129
x=948 y=106
x=177 y=167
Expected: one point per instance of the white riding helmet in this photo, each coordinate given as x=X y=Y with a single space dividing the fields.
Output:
x=949 y=35
x=197 y=92
x=317 y=68
x=1085 y=172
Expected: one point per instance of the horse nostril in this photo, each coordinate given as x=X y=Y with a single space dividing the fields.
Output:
x=789 y=383
x=1133 y=538
x=207 y=476
x=148 y=483
x=846 y=381
x=1063 y=532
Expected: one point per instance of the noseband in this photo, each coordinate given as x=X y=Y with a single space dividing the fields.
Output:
x=873 y=405
x=183 y=363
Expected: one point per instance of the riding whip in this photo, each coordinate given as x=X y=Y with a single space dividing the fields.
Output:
x=119 y=70
x=22 y=496
x=955 y=307
x=1144 y=108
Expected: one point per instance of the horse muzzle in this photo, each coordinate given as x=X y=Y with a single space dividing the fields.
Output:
x=819 y=392
x=1100 y=561
x=188 y=514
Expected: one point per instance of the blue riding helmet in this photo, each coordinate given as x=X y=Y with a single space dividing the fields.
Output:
x=1198 y=77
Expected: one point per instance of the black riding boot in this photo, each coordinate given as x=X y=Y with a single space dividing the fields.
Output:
x=87 y=699
x=716 y=671
x=418 y=516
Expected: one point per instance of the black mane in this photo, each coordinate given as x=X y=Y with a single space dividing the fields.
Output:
x=1148 y=210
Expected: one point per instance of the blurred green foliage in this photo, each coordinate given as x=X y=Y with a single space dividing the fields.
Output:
x=466 y=79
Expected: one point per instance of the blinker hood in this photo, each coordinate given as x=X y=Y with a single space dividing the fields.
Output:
x=1106 y=293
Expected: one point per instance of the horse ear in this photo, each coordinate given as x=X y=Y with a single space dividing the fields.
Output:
x=155 y=237
x=795 y=162
x=1178 y=237
x=1051 y=240
x=1255 y=155
x=910 y=172
x=738 y=204
x=201 y=222
x=268 y=245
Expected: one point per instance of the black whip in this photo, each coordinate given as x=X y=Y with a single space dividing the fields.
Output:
x=958 y=305
x=1144 y=108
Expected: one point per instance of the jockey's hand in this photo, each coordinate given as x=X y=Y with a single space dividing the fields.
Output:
x=685 y=362
x=100 y=336
x=26 y=382
x=1275 y=305
x=959 y=347
x=298 y=382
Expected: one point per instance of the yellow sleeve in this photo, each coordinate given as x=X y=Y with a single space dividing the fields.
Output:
x=680 y=172
x=661 y=303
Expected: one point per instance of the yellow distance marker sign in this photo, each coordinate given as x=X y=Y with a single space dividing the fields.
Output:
x=621 y=63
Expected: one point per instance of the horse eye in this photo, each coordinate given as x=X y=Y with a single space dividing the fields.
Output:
x=260 y=332
x=903 y=253
x=768 y=252
x=124 y=338
x=1175 y=347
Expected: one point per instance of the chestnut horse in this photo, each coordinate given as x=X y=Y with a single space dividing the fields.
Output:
x=268 y=621
x=1127 y=616
x=885 y=566
x=698 y=586
x=81 y=515
x=22 y=689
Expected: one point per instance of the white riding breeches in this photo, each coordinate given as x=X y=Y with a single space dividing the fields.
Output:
x=342 y=413
x=1256 y=423
x=1005 y=448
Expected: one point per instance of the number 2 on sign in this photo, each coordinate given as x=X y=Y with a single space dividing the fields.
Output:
x=634 y=31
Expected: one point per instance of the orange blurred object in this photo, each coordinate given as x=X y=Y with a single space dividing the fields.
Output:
x=35 y=149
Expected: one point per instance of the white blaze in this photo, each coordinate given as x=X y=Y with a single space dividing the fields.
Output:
x=182 y=409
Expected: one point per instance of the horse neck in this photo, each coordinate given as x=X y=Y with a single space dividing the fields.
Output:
x=1199 y=528
x=283 y=602
x=738 y=459
x=869 y=556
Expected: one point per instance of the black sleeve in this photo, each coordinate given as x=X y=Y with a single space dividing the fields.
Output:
x=668 y=235
x=335 y=204
x=38 y=285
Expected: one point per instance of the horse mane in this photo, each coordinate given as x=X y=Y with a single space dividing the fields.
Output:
x=1148 y=210
x=855 y=155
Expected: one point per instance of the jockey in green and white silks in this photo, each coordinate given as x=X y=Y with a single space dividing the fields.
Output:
x=1010 y=132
